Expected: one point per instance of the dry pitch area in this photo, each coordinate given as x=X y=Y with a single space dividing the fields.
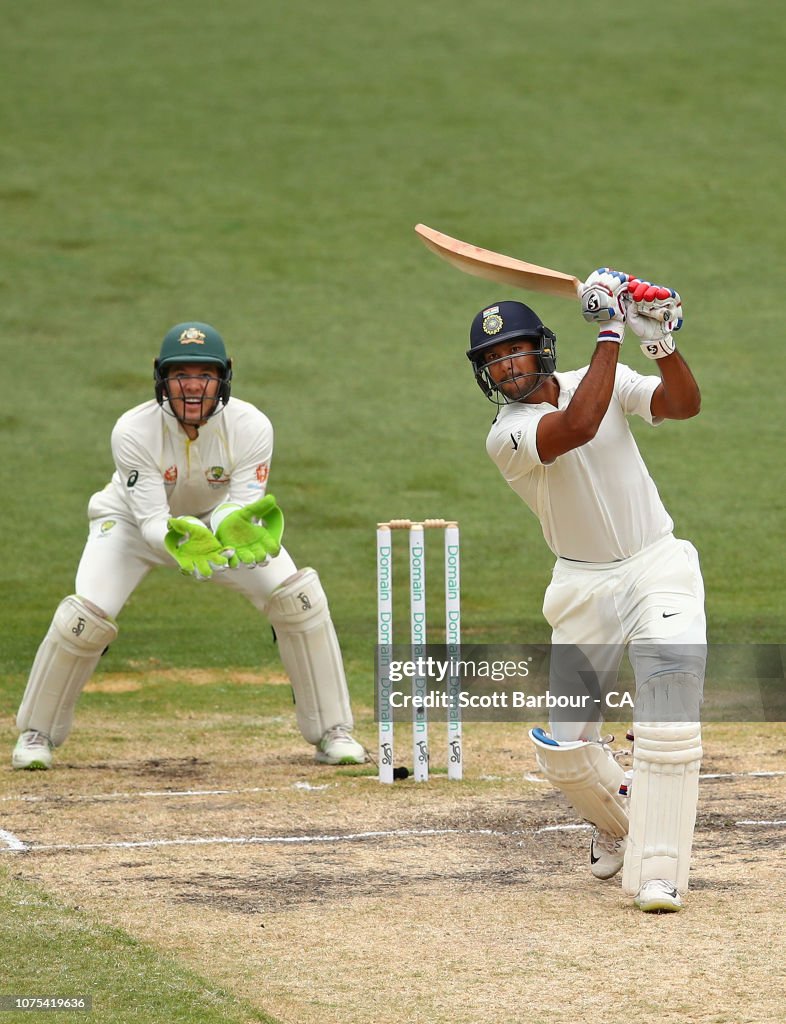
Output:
x=318 y=894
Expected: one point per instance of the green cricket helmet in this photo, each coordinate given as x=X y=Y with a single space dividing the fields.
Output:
x=192 y=342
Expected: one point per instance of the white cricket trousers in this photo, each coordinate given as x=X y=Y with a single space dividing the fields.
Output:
x=116 y=559
x=652 y=604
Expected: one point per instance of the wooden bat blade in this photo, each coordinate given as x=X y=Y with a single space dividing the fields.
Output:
x=494 y=266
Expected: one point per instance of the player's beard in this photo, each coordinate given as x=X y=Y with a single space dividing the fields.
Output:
x=521 y=385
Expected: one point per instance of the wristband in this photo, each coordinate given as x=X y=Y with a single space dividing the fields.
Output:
x=220 y=513
x=613 y=330
x=658 y=349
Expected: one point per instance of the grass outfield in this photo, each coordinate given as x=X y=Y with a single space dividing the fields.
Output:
x=262 y=166
x=51 y=950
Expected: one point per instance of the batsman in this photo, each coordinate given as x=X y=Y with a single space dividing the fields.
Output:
x=188 y=492
x=622 y=581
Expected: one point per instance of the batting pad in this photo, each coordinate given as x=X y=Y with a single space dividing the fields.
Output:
x=307 y=642
x=65 y=660
x=589 y=777
x=664 y=795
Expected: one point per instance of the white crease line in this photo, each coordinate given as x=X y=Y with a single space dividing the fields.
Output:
x=304 y=786
x=152 y=793
x=747 y=821
x=15 y=845
x=12 y=842
x=251 y=840
x=577 y=828
x=741 y=775
x=562 y=828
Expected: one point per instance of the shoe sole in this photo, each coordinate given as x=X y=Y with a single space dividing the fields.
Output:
x=33 y=766
x=323 y=759
x=658 y=906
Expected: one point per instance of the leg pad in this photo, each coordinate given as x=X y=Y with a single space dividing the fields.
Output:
x=664 y=795
x=588 y=776
x=307 y=642
x=65 y=660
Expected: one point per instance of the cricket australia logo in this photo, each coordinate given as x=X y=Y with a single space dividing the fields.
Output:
x=192 y=336
x=216 y=476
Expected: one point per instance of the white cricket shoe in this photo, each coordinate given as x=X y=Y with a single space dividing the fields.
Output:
x=338 y=747
x=607 y=852
x=33 y=750
x=658 y=897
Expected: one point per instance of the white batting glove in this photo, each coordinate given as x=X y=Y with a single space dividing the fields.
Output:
x=654 y=312
x=658 y=303
x=603 y=301
x=602 y=296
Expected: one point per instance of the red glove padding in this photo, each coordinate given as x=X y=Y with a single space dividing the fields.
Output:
x=643 y=291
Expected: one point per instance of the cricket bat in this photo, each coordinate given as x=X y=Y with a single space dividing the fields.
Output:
x=496 y=267
x=506 y=270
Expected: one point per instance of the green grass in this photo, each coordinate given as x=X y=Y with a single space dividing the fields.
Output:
x=52 y=950
x=261 y=166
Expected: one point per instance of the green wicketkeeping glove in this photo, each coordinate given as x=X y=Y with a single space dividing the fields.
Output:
x=253 y=532
x=194 y=548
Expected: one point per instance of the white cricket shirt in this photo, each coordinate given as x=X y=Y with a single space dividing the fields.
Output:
x=595 y=503
x=160 y=473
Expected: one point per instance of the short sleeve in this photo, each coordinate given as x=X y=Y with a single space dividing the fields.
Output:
x=634 y=393
x=512 y=443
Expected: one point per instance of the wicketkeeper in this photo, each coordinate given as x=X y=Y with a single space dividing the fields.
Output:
x=188 y=491
x=621 y=580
